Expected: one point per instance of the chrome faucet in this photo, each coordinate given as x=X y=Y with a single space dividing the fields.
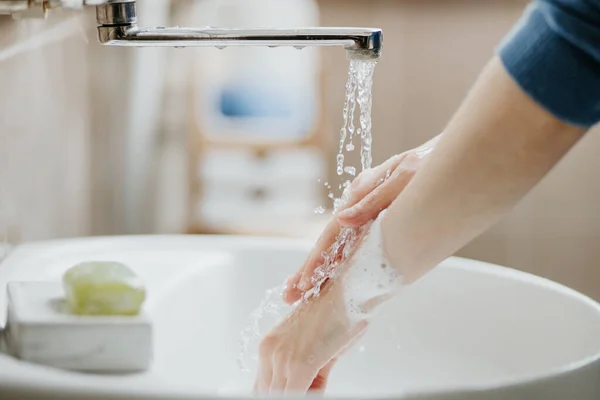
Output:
x=117 y=26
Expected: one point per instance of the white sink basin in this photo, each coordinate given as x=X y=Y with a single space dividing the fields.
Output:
x=468 y=330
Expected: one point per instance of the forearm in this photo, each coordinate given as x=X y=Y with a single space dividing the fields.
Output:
x=498 y=146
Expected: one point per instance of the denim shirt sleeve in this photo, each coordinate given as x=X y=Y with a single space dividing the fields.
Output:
x=553 y=54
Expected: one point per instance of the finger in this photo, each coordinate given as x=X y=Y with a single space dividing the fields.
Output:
x=316 y=258
x=299 y=379
x=320 y=382
x=379 y=199
x=291 y=293
x=279 y=379
x=294 y=289
x=370 y=179
x=265 y=368
x=263 y=382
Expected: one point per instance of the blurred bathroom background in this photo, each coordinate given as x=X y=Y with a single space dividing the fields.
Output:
x=104 y=141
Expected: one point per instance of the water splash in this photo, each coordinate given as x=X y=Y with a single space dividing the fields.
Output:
x=358 y=93
x=334 y=257
x=271 y=306
x=340 y=164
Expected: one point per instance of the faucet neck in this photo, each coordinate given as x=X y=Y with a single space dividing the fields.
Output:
x=116 y=13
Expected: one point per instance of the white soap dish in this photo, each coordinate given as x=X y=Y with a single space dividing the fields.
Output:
x=39 y=330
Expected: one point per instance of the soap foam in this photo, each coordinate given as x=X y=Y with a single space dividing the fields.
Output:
x=368 y=276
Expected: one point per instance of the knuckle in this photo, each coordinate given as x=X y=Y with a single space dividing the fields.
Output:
x=291 y=295
x=410 y=162
x=281 y=356
x=403 y=173
x=300 y=368
x=357 y=182
x=267 y=345
x=368 y=204
x=397 y=158
x=363 y=178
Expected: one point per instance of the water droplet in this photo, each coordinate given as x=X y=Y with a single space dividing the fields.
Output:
x=179 y=47
x=299 y=47
x=340 y=164
x=160 y=27
x=311 y=359
x=350 y=170
x=398 y=347
x=272 y=307
x=337 y=203
x=361 y=349
x=320 y=210
x=272 y=46
x=350 y=146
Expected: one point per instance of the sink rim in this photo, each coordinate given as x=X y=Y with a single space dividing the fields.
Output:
x=237 y=243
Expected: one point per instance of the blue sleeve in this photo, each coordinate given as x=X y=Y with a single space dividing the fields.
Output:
x=553 y=54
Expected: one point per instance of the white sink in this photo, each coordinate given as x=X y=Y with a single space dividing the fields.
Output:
x=468 y=330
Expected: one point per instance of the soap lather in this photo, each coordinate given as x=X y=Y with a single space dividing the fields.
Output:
x=91 y=322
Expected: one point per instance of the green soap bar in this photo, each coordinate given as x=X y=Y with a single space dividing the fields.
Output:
x=103 y=288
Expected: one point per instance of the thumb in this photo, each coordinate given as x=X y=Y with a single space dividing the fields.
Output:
x=320 y=382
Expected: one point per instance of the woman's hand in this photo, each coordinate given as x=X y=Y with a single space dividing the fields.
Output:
x=371 y=192
x=298 y=354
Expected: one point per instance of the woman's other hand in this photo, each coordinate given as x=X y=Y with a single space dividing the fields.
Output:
x=298 y=354
x=371 y=192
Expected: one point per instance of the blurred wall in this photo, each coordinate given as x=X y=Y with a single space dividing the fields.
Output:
x=44 y=129
x=77 y=128
x=433 y=52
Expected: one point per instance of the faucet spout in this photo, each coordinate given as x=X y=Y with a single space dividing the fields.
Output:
x=118 y=27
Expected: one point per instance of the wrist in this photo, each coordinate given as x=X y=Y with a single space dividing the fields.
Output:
x=369 y=279
x=400 y=256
